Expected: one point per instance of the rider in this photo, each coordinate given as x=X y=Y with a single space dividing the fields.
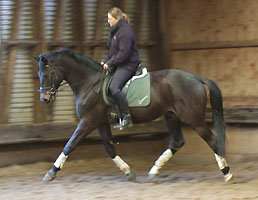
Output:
x=123 y=56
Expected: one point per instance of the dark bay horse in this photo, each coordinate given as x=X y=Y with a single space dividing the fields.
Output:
x=176 y=95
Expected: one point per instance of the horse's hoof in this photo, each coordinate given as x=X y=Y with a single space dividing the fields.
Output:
x=229 y=177
x=151 y=176
x=50 y=176
x=131 y=176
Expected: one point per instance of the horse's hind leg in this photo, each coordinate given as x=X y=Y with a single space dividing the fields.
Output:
x=176 y=142
x=211 y=140
x=106 y=136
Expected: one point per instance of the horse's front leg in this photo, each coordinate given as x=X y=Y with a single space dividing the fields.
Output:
x=82 y=130
x=106 y=136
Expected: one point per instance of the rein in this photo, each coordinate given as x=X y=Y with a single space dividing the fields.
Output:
x=104 y=75
x=51 y=90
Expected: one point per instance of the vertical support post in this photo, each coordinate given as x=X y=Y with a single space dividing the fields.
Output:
x=154 y=51
x=1 y=72
x=40 y=112
x=99 y=29
x=79 y=24
x=8 y=83
x=164 y=27
x=137 y=22
x=85 y=49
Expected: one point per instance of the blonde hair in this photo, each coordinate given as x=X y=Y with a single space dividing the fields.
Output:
x=117 y=13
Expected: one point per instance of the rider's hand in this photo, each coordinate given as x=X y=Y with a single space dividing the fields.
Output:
x=105 y=66
x=102 y=63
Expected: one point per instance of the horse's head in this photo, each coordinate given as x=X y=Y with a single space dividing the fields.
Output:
x=50 y=78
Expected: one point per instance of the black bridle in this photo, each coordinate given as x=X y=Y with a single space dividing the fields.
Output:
x=51 y=90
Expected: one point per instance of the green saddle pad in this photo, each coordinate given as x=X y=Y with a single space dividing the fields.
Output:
x=136 y=90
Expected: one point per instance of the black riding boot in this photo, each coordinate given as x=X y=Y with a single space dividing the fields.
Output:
x=126 y=118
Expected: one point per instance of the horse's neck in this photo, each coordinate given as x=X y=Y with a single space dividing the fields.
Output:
x=80 y=78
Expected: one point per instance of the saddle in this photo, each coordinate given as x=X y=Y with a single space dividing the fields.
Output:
x=136 y=90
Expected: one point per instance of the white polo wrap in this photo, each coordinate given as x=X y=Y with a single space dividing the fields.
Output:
x=121 y=164
x=161 y=161
x=60 y=160
x=222 y=163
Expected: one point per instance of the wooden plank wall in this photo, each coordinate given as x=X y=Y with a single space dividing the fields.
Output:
x=218 y=40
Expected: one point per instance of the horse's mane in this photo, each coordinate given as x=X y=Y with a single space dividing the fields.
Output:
x=79 y=58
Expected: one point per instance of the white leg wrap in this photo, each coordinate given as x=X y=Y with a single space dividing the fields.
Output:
x=161 y=161
x=221 y=161
x=122 y=165
x=60 y=160
x=222 y=164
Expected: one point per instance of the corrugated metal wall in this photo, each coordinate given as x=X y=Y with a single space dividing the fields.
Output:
x=90 y=19
x=130 y=8
x=6 y=17
x=26 y=21
x=50 y=7
x=7 y=8
x=59 y=28
x=68 y=21
x=22 y=91
x=22 y=94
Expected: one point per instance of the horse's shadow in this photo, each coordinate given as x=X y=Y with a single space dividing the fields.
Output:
x=142 y=178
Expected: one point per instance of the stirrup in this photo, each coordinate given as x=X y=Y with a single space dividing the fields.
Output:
x=123 y=123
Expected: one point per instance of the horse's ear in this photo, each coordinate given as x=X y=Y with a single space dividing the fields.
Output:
x=43 y=59
x=36 y=59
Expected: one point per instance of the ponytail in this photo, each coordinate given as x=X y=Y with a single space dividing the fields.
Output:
x=126 y=18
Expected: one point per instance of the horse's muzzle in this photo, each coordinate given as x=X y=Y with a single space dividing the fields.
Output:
x=45 y=97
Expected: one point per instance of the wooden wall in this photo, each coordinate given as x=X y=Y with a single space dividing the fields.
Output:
x=218 y=40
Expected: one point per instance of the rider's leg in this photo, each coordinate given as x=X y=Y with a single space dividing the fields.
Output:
x=126 y=119
x=119 y=79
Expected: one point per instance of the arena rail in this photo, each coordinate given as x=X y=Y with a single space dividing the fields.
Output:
x=47 y=132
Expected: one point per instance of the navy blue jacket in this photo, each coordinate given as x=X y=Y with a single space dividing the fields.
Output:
x=123 y=50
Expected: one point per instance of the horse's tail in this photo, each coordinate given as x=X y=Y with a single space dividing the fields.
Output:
x=217 y=113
